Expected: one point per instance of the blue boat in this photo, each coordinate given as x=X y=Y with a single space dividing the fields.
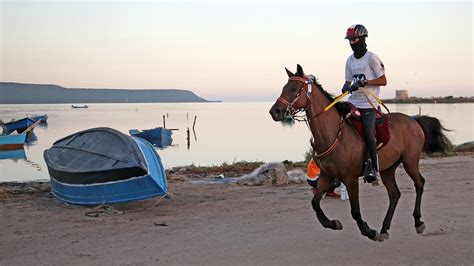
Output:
x=18 y=125
x=160 y=142
x=152 y=134
x=42 y=118
x=13 y=154
x=104 y=166
x=12 y=141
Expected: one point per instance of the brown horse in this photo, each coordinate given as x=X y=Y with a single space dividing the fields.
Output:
x=340 y=151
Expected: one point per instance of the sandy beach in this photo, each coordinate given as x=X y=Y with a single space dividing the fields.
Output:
x=229 y=224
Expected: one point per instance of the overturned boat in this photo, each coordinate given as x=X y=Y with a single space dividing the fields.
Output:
x=103 y=166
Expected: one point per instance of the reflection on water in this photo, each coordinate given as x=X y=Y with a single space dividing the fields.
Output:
x=14 y=154
x=161 y=142
x=227 y=132
x=15 y=162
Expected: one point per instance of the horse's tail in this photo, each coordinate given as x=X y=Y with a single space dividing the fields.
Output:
x=435 y=139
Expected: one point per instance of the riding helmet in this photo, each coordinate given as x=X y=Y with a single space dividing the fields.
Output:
x=356 y=31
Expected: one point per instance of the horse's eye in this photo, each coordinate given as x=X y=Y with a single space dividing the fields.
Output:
x=293 y=89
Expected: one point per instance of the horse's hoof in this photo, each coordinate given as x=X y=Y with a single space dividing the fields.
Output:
x=384 y=236
x=338 y=225
x=377 y=237
x=421 y=228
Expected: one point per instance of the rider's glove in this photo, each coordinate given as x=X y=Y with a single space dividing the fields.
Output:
x=355 y=86
x=346 y=88
x=363 y=83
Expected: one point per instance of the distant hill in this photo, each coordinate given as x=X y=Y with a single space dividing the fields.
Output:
x=38 y=93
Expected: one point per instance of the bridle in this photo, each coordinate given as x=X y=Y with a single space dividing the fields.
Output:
x=307 y=82
x=303 y=91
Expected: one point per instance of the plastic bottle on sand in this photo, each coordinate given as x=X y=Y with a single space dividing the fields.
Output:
x=344 y=195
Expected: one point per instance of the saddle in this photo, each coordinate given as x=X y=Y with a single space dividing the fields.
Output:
x=382 y=125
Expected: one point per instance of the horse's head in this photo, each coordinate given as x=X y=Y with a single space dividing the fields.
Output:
x=294 y=95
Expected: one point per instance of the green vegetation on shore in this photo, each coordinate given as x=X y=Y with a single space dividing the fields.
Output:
x=244 y=167
x=447 y=99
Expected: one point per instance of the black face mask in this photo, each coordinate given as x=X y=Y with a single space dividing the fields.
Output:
x=359 y=48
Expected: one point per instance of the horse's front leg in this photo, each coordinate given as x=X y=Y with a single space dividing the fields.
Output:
x=324 y=182
x=353 y=191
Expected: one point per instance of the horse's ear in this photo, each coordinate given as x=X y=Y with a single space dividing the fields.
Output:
x=299 y=71
x=289 y=73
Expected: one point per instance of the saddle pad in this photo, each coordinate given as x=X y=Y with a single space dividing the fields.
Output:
x=382 y=132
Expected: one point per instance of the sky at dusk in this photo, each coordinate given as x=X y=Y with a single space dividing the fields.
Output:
x=234 y=51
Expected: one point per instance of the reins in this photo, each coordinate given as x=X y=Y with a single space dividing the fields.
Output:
x=307 y=81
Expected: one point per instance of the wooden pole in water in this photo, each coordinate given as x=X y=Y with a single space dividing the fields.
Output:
x=164 y=122
x=188 y=138
x=194 y=123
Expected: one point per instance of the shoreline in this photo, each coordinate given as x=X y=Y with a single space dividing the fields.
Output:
x=216 y=224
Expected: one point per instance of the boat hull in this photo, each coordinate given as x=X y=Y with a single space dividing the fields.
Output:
x=19 y=125
x=12 y=142
x=149 y=185
x=43 y=118
x=153 y=135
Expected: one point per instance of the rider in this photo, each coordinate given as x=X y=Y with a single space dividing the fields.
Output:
x=364 y=69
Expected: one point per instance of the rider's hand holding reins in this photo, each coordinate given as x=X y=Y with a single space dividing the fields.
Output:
x=355 y=86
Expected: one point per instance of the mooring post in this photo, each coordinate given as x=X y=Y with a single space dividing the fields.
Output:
x=194 y=123
x=164 y=122
x=188 y=138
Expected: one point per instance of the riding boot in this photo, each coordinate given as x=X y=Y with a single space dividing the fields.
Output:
x=371 y=165
x=370 y=171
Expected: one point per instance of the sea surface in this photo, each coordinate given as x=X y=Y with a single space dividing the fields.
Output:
x=223 y=132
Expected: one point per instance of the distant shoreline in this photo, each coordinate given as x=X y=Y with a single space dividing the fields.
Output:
x=448 y=99
x=22 y=93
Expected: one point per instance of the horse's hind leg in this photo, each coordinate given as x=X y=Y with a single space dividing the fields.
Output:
x=324 y=182
x=388 y=179
x=412 y=169
x=353 y=191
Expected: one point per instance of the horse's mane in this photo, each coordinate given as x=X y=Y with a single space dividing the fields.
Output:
x=342 y=107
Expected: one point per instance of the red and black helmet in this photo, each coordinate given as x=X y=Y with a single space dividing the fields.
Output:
x=356 y=31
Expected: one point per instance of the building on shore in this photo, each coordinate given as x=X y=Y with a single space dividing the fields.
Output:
x=401 y=94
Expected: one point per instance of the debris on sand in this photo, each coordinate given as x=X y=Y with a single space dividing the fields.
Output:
x=269 y=173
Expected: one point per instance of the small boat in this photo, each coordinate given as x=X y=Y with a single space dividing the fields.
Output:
x=12 y=141
x=18 y=125
x=42 y=118
x=79 y=106
x=13 y=154
x=104 y=166
x=161 y=142
x=152 y=134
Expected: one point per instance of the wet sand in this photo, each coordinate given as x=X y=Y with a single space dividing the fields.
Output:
x=230 y=224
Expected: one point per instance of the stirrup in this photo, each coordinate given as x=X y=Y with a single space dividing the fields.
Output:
x=371 y=177
x=370 y=174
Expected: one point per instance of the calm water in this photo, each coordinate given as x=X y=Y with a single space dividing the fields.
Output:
x=224 y=132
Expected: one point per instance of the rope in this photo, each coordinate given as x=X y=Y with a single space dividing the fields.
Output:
x=167 y=196
x=103 y=209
